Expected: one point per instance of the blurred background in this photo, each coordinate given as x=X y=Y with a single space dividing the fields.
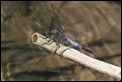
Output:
x=94 y=23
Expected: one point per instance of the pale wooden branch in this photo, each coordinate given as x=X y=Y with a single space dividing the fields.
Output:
x=77 y=56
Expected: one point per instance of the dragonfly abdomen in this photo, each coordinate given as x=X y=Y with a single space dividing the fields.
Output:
x=77 y=45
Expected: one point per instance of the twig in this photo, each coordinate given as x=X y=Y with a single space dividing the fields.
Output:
x=77 y=56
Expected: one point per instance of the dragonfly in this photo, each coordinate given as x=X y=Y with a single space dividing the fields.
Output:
x=56 y=33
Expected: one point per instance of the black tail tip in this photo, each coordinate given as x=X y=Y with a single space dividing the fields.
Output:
x=86 y=49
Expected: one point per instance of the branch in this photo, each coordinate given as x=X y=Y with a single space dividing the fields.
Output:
x=77 y=56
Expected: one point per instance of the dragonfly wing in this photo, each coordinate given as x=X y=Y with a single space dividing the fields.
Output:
x=56 y=22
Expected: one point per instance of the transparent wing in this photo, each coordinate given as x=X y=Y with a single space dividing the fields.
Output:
x=55 y=23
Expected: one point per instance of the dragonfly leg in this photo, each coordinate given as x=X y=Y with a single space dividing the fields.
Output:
x=58 y=45
x=50 y=42
x=47 y=43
